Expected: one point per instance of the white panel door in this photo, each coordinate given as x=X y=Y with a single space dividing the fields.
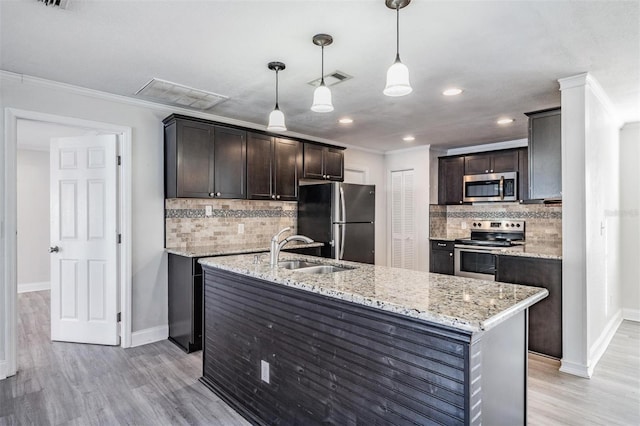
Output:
x=84 y=286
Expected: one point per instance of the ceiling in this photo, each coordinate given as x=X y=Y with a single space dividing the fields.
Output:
x=506 y=55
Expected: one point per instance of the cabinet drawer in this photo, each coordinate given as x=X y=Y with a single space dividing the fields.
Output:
x=441 y=245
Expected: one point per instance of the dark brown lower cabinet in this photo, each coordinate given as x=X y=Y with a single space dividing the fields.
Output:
x=545 y=317
x=185 y=302
x=441 y=260
x=280 y=355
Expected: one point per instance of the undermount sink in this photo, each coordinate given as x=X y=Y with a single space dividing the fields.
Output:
x=311 y=267
x=323 y=269
x=296 y=264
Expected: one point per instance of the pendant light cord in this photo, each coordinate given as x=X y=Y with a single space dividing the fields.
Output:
x=397 y=33
x=277 y=88
x=322 y=67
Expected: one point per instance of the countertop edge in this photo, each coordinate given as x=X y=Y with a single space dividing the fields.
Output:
x=513 y=310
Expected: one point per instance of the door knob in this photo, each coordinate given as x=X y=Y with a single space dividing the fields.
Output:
x=54 y=249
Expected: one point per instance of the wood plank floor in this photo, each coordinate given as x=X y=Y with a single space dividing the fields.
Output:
x=66 y=383
x=611 y=397
x=157 y=384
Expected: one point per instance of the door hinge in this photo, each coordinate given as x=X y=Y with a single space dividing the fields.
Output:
x=119 y=158
x=119 y=238
x=119 y=317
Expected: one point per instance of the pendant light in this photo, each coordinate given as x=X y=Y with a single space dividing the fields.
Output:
x=276 y=118
x=398 y=73
x=322 y=94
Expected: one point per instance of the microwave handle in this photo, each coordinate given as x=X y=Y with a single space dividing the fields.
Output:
x=501 y=187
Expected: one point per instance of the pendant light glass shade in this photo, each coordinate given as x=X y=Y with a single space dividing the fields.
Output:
x=397 y=80
x=276 y=121
x=322 y=99
x=398 y=73
x=276 y=118
x=322 y=94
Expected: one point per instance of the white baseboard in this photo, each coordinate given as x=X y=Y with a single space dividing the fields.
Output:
x=3 y=370
x=149 y=335
x=575 y=369
x=600 y=345
x=596 y=351
x=27 y=287
x=631 y=314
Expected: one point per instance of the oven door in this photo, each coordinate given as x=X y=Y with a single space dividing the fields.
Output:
x=474 y=262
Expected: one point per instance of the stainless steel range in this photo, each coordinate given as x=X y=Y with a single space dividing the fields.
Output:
x=475 y=257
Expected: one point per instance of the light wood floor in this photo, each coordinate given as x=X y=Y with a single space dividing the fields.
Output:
x=157 y=384
x=66 y=383
x=611 y=397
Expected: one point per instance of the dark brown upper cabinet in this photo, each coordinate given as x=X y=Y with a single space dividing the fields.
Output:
x=273 y=168
x=545 y=154
x=493 y=162
x=203 y=160
x=323 y=162
x=450 y=176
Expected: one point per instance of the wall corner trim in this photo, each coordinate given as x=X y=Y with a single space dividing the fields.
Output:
x=28 y=287
x=575 y=369
x=149 y=335
x=573 y=81
x=631 y=314
x=3 y=370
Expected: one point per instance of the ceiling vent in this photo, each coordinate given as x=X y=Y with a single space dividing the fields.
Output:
x=331 y=79
x=176 y=94
x=62 y=4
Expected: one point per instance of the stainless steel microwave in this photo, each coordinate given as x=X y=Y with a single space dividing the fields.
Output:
x=490 y=187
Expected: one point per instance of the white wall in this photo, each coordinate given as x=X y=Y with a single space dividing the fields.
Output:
x=630 y=219
x=591 y=230
x=33 y=217
x=417 y=159
x=373 y=166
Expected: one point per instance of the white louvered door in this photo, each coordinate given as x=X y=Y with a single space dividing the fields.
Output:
x=83 y=249
x=403 y=238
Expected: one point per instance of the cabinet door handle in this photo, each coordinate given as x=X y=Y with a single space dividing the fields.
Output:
x=211 y=194
x=491 y=170
x=277 y=197
x=218 y=194
x=273 y=197
x=450 y=254
x=486 y=171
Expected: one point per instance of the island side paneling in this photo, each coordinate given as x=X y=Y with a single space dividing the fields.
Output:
x=331 y=362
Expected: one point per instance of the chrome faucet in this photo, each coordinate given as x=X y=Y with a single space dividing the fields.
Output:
x=276 y=246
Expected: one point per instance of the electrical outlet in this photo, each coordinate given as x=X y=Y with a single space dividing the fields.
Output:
x=241 y=228
x=464 y=225
x=208 y=211
x=264 y=371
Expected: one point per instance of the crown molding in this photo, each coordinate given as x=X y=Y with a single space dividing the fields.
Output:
x=516 y=143
x=588 y=81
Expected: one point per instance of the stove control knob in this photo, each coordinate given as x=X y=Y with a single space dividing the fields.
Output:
x=474 y=224
x=512 y=225
x=518 y=225
x=479 y=225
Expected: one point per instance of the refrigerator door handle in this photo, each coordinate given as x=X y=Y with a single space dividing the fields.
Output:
x=343 y=207
x=344 y=228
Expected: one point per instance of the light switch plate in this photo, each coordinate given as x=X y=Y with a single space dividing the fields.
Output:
x=241 y=228
x=464 y=225
x=264 y=371
x=208 y=211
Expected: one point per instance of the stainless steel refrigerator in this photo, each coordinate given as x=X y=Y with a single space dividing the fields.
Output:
x=341 y=215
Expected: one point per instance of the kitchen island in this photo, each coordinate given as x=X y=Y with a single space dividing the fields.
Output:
x=369 y=344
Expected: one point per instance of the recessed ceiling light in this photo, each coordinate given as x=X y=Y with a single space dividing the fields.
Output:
x=505 y=120
x=345 y=120
x=409 y=138
x=452 y=92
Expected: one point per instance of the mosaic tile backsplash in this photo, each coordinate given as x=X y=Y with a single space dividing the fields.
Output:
x=187 y=224
x=543 y=221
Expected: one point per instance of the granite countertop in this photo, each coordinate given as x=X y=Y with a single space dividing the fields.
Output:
x=228 y=249
x=465 y=303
